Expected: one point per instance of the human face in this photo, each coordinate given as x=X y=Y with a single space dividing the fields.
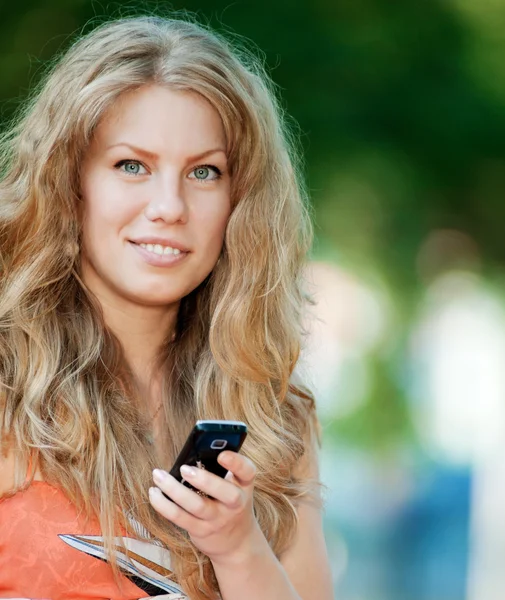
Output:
x=154 y=179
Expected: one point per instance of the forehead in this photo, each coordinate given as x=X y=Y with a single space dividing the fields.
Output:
x=156 y=117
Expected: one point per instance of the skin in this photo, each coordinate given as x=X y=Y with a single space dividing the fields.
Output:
x=157 y=193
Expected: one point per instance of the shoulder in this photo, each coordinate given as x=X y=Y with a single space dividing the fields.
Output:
x=306 y=559
x=16 y=468
x=7 y=470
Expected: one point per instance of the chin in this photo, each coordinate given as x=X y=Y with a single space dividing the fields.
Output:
x=163 y=294
x=157 y=300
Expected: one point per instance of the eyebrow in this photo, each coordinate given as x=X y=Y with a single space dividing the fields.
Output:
x=153 y=155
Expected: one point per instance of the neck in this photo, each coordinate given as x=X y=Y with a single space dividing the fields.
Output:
x=142 y=332
x=141 y=329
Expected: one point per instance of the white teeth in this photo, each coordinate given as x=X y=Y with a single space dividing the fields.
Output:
x=159 y=249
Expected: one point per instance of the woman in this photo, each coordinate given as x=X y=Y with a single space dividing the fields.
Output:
x=152 y=237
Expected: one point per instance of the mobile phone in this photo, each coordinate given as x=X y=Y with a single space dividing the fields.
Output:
x=205 y=442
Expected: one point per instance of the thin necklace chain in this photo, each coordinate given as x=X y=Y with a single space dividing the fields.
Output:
x=150 y=434
x=156 y=412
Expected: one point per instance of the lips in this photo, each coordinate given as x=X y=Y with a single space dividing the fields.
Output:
x=160 y=250
x=160 y=241
x=158 y=255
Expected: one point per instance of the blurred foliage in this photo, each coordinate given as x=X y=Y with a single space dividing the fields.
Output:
x=382 y=423
x=401 y=108
x=390 y=98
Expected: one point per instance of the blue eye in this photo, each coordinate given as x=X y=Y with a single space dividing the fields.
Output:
x=131 y=167
x=204 y=172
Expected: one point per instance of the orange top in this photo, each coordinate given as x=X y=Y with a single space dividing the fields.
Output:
x=47 y=550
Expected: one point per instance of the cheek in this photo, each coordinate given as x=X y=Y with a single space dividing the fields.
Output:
x=217 y=214
x=213 y=227
x=105 y=209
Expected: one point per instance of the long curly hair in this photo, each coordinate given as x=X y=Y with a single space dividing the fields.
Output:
x=67 y=396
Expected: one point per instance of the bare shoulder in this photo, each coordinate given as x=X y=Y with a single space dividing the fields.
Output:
x=306 y=560
x=7 y=470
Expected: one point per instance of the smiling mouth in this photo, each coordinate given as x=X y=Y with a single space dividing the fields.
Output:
x=160 y=250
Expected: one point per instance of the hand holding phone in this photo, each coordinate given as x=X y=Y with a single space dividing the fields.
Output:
x=223 y=521
x=204 y=444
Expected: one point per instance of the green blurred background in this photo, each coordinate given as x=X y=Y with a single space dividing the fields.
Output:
x=401 y=111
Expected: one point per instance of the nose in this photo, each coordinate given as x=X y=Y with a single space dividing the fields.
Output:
x=166 y=202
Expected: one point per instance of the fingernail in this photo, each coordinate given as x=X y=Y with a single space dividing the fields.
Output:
x=154 y=491
x=188 y=471
x=159 y=474
x=224 y=457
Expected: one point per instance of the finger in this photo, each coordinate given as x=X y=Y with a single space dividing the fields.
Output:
x=171 y=511
x=214 y=486
x=180 y=494
x=243 y=469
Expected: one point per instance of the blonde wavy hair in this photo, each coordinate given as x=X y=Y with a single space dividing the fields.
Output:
x=68 y=398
